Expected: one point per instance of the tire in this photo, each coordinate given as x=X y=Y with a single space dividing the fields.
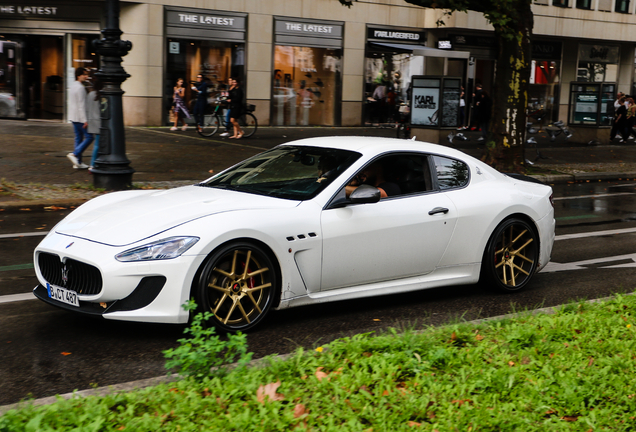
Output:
x=511 y=255
x=238 y=283
x=211 y=123
x=249 y=124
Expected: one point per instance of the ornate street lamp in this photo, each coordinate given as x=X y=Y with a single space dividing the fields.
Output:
x=112 y=169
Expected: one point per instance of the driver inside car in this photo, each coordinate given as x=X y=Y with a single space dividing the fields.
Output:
x=373 y=175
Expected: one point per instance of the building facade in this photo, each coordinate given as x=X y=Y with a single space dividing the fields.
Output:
x=314 y=62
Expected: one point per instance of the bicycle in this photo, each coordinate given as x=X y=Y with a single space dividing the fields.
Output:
x=404 y=122
x=214 y=119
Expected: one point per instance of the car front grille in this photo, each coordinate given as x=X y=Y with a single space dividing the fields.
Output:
x=74 y=275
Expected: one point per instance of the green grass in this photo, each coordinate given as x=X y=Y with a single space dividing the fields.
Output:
x=571 y=371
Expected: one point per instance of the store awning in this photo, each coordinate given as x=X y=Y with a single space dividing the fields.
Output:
x=425 y=51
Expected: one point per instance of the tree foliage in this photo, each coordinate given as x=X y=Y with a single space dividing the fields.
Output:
x=512 y=21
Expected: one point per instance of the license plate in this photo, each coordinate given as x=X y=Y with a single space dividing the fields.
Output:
x=63 y=295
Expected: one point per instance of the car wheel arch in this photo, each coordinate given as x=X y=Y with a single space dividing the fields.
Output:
x=518 y=216
x=266 y=248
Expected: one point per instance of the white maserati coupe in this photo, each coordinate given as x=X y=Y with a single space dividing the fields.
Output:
x=311 y=221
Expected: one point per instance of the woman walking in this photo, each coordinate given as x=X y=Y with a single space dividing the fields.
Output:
x=179 y=106
x=93 y=113
x=236 y=107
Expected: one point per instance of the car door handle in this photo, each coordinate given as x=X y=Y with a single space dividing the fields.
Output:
x=438 y=210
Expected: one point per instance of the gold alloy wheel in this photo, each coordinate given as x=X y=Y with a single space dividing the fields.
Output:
x=515 y=255
x=240 y=287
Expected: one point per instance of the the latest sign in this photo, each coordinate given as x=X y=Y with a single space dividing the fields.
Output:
x=28 y=10
x=205 y=19
x=308 y=28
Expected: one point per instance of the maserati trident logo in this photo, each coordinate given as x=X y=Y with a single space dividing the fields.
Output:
x=64 y=274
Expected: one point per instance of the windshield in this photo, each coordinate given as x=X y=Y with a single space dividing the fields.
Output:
x=290 y=172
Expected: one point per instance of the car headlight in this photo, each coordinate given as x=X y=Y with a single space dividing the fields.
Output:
x=160 y=250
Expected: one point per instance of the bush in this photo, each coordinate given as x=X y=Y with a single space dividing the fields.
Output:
x=204 y=353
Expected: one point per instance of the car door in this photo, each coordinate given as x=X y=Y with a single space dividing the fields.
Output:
x=397 y=237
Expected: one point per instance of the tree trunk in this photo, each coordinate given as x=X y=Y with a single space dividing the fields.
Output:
x=506 y=138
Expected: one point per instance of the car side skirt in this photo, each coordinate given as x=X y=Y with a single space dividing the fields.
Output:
x=443 y=276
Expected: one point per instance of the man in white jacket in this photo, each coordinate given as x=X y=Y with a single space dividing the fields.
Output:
x=77 y=115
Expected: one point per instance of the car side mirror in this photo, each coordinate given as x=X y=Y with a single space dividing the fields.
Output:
x=365 y=194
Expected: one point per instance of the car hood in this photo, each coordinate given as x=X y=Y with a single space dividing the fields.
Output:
x=124 y=218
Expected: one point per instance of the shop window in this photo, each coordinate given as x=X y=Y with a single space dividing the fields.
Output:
x=592 y=104
x=597 y=72
x=543 y=92
x=584 y=4
x=217 y=61
x=622 y=6
x=394 y=70
x=560 y=3
x=83 y=54
x=306 y=86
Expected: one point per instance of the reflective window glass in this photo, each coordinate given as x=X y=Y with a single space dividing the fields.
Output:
x=451 y=173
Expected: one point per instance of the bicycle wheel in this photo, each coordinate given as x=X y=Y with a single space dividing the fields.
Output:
x=403 y=131
x=249 y=124
x=211 y=123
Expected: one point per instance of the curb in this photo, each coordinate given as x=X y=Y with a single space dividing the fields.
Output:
x=139 y=384
x=585 y=176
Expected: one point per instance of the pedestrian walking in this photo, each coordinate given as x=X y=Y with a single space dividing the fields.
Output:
x=201 y=89
x=93 y=113
x=180 y=110
x=483 y=105
x=77 y=116
x=620 y=121
x=236 y=107
x=631 y=118
x=462 y=109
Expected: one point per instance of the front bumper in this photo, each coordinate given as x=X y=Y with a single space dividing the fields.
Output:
x=144 y=294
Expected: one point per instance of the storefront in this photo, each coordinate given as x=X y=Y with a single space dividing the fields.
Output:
x=206 y=42
x=545 y=83
x=307 y=77
x=592 y=95
x=389 y=66
x=40 y=46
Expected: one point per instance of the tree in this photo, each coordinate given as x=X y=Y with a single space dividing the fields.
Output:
x=512 y=21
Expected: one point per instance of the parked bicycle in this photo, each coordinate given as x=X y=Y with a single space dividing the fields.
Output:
x=214 y=119
x=404 y=122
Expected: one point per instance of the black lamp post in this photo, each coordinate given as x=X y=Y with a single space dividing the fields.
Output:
x=112 y=169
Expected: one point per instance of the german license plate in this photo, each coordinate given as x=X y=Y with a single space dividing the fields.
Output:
x=63 y=295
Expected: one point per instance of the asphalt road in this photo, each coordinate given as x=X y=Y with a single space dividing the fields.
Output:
x=46 y=351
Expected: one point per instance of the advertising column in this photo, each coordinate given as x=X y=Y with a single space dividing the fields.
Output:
x=307 y=72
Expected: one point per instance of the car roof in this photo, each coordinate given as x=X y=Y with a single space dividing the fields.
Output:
x=377 y=145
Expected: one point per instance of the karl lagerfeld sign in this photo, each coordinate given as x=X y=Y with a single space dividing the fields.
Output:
x=385 y=34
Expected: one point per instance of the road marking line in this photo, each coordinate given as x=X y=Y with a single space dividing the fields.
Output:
x=16 y=267
x=29 y=234
x=199 y=138
x=595 y=234
x=17 y=297
x=580 y=265
x=592 y=196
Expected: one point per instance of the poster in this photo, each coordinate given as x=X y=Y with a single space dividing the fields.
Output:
x=450 y=108
x=425 y=107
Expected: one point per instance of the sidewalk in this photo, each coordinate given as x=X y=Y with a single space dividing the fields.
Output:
x=35 y=171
